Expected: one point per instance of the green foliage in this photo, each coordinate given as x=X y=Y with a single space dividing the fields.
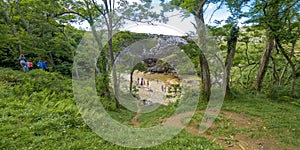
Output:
x=279 y=92
x=38 y=111
x=64 y=68
x=34 y=30
x=140 y=67
x=38 y=108
x=193 y=52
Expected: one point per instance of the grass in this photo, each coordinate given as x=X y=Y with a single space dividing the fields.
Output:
x=281 y=119
x=38 y=111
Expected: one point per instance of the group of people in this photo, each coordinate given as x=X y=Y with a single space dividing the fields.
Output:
x=142 y=81
x=25 y=64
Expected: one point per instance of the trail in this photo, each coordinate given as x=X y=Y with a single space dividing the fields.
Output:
x=238 y=141
x=231 y=140
x=138 y=113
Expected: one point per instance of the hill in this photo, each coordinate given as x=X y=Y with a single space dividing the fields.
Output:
x=38 y=111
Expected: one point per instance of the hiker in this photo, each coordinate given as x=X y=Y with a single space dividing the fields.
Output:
x=39 y=64
x=138 y=81
x=42 y=65
x=29 y=64
x=162 y=88
x=148 y=83
x=23 y=62
x=142 y=81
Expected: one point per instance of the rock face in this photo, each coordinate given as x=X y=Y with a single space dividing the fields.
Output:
x=159 y=66
x=151 y=62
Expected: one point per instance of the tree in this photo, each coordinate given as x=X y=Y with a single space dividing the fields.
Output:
x=235 y=7
x=286 y=35
x=197 y=9
x=270 y=13
x=231 y=48
x=110 y=15
x=109 y=12
x=31 y=27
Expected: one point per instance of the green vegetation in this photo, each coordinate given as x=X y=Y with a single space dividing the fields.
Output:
x=38 y=111
x=259 y=59
x=279 y=117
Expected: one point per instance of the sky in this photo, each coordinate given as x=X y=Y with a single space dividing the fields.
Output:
x=176 y=26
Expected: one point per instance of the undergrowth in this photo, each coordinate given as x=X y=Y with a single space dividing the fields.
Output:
x=38 y=111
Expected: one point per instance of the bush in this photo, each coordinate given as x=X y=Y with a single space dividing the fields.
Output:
x=279 y=92
x=64 y=68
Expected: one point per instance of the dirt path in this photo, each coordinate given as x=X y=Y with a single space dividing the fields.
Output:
x=238 y=141
x=134 y=119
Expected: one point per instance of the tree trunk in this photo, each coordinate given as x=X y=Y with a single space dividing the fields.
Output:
x=205 y=72
x=275 y=74
x=282 y=74
x=105 y=88
x=205 y=76
x=230 y=55
x=257 y=84
x=131 y=80
x=294 y=73
x=293 y=66
x=112 y=58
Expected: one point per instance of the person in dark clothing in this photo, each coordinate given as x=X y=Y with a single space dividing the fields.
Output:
x=23 y=62
x=142 y=81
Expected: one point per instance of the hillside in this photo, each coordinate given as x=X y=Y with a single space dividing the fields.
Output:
x=38 y=111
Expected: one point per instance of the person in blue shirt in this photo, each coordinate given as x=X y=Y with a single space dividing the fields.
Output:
x=39 y=64
x=42 y=65
x=23 y=62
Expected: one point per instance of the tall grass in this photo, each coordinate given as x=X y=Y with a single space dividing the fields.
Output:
x=38 y=111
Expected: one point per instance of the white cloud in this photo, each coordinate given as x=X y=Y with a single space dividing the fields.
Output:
x=155 y=29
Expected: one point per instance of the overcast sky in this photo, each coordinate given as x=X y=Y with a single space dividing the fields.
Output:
x=175 y=26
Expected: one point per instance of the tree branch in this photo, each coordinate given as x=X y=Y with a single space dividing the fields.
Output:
x=70 y=12
x=293 y=4
x=219 y=7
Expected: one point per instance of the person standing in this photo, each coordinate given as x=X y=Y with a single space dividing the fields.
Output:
x=23 y=62
x=142 y=81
